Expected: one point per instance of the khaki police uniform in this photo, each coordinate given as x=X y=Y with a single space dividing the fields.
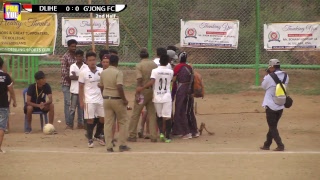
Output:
x=143 y=71
x=113 y=105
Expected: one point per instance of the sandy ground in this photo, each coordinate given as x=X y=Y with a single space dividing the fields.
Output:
x=232 y=153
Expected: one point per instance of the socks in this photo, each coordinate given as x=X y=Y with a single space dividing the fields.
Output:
x=168 y=128
x=90 y=128
x=160 y=124
x=99 y=131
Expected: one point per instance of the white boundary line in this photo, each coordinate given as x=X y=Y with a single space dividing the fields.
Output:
x=164 y=152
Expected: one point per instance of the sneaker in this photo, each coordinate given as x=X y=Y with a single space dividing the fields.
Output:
x=168 y=141
x=187 y=136
x=90 y=143
x=162 y=137
x=195 y=135
x=279 y=149
x=113 y=142
x=6 y=131
x=28 y=131
x=101 y=141
x=110 y=150
x=124 y=148
x=140 y=134
x=264 y=148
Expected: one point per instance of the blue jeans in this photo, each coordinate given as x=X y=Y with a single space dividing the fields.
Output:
x=4 y=116
x=66 y=98
x=75 y=104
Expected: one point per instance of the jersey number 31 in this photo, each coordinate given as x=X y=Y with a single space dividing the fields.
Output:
x=165 y=84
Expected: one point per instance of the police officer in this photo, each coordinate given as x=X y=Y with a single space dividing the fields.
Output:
x=114 y=103
x=143 y=73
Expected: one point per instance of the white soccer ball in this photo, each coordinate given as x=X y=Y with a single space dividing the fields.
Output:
x=48 y=129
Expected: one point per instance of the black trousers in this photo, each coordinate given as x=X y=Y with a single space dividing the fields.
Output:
x=273 y=118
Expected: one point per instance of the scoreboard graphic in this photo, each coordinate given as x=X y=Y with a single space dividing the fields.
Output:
x=12 y=10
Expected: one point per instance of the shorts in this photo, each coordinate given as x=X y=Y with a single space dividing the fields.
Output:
x=163 y=109
x=35 y=109
x=4 y=116
x=93 y=110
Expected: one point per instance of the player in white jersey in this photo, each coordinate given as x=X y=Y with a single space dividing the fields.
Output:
x=161 y=78
x=90 y=96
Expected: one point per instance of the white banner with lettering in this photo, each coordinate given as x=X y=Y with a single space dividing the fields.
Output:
x=80 y=30
x=292 y=36
x=209 y=34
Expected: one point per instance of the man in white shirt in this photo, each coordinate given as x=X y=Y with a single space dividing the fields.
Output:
x=75 y=69
x=161 y=51
x=273 y=110
x=91 y=100
x=161 y=78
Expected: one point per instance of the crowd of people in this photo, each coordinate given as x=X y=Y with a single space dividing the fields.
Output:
x=95 y=90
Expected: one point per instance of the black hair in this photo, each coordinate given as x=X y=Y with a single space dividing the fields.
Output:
x=276 y=66
x=114 y=60
x=102 y=53
x=1 y=62
x=113 y=51
x=72 y=41
x=164 y=60
x=144 y=53
x=89 y=54
x=161 y=51
x=79 y=52
x=173 y=48
x=183 y=57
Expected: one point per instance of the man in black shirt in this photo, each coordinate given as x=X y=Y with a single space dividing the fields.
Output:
x=5 y=86
x=36 y=99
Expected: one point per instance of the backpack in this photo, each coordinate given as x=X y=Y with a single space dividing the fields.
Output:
x=281 y=97
x=198 y=86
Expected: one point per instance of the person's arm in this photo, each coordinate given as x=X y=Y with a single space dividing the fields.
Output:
x=149 y=83
x=100 y=84
x=9 y=84
x=49 y=94
x=64 y=68
x=72 y=74
x=139 y=75
x=120 y=88
x=81 y=89
x=266 y=82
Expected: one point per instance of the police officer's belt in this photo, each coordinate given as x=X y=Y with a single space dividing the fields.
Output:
x=109 y=97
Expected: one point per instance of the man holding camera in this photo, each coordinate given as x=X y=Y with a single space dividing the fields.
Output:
x=273 y=110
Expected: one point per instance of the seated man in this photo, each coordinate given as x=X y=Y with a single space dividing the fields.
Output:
x=36 y=101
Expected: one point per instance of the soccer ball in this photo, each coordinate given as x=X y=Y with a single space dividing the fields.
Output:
x=48 y=129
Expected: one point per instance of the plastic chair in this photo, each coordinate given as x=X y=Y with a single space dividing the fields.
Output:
x=42 y=114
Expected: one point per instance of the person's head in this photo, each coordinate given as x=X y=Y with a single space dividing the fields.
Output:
x=274 y=64
x=102 y=53
x=183 y=57
x=164 y=60
x=105 y=61
x=72 y=45
x=1 y=63
x=144 y=53
x=113 y=52
x=91 y=59
x=40 y=78
x=79 y=56
x=173 y=57
x=161 y=51
x=114 y=60
x=173 y=48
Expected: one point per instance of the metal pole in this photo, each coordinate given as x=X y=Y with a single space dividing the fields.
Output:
x=107 y=29
x=92 y=33
x=257 y=82
x=150 y=27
